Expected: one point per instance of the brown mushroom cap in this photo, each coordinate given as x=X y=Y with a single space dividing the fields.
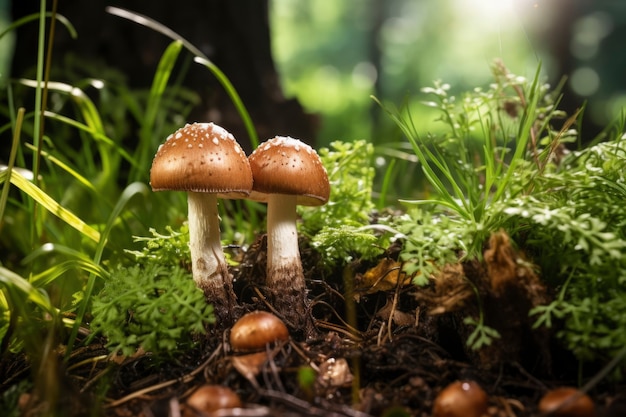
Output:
x=210 y=398
x=460 y=399
x=202 y=157
x=566 y=402
x=256 y=329
x=284 y=165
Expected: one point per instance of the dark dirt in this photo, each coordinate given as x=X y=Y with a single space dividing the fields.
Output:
x=386 y=352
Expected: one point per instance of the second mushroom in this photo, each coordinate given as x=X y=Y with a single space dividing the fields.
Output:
x=287 y=172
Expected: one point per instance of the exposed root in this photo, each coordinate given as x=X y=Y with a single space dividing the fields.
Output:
x=503 y=288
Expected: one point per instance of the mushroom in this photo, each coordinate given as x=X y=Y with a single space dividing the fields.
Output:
x=566 y=402
x=206 y=161
x=254 y=330
x=250 y=338
x=461 y=399
x=208 y=399
x=287 y=172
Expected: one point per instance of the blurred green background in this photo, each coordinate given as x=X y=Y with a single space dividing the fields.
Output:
x=332 y=55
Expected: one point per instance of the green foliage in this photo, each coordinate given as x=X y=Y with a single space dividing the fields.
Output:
x=155 y=307
x=340 y=229
x=23 y=303
x=481 y=335
x=172 y=247
x=480 y=160
x=482 y=156
x=469 y=166
x=350 y=172
x=429 y=242
x=501 y=165
x=65 y=176
x=343 y=243
x=576 y=215
x=164 y=249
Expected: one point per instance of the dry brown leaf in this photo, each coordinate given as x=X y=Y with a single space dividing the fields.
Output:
x=387 y=275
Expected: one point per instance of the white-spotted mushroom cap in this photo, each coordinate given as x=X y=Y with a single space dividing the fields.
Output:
x=284 y=165
x=202 y=157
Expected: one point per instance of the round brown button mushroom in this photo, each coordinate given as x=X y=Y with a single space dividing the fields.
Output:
x=210 y=398
x=249 y=338
x=254 y=330
x=566 y=402
x=461 y=399
x=287 y=172
x=206 y=161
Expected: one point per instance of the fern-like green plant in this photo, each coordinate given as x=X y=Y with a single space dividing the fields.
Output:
x=154 y=307
x=500 y=165
x=341 y=230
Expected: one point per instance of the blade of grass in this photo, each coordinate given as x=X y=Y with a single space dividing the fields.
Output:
x=523 y=135
x=98 y=136
x=159 y=84
x=37 y=224
x=10 y=279
x=234 y=96
x=49 y=248
x=84 y=181
x=384 y=188
x=425 y=158
x=35 y=16
x=16 y=140
x=51 y=274
x=88 y=111
x=38 y=195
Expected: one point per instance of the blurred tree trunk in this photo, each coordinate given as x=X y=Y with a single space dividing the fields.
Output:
x=234 y=34
x=378 y=14
x=557 y=38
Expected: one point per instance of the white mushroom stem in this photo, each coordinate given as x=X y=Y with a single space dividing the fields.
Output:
x=284 y=280
x=208 y=264
x=282 y=241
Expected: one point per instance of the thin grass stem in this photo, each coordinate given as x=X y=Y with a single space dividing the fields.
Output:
x=16 y=139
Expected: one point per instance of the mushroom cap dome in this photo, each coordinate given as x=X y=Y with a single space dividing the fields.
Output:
x=256 y=329
x=202 y=157
x=566 y=402
x=460 y=399
x=284 y=165
x=209 y=398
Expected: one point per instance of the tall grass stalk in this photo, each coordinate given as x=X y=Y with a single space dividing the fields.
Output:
x=16 y=138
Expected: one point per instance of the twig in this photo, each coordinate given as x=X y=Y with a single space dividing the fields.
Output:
x=307 y=408
x=184 y=379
